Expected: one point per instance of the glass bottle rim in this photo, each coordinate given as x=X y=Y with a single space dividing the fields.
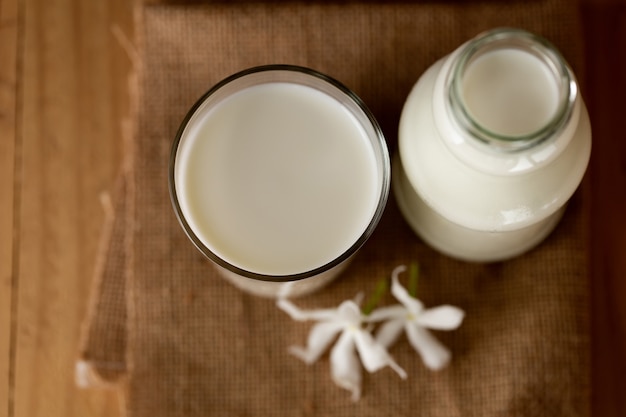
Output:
x=520 y=39
x=311 y=78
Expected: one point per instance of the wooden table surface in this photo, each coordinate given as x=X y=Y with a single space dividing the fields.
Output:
x=63 y=92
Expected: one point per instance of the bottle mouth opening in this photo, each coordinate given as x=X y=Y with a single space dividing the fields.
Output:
x=510 y=89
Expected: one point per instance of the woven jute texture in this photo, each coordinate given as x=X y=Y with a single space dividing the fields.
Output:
x=187 y=343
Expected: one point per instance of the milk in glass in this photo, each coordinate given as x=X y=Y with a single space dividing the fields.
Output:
x=280 y=179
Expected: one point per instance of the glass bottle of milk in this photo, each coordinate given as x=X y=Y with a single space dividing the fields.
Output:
x=493 y=141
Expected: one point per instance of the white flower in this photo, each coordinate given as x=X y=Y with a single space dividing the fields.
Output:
x=416 y=320
x=347 y=322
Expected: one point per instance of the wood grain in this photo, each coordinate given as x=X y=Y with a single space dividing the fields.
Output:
x=63 y=93
x=8 y=91
x=72 y=90
x=605 y=28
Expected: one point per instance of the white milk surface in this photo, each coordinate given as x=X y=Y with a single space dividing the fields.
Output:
x=277 y=179
x=510 y=92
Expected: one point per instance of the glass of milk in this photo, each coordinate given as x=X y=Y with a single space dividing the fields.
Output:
x=279 y=174
x=493 y=141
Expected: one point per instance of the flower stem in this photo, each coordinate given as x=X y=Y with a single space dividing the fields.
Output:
x=379 y=292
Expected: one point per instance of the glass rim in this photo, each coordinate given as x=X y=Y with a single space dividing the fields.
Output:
x=378 y=142
x=542 y=49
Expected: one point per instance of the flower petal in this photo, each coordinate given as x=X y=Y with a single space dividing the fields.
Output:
x=397 y=271
x=388 y=332
x=284 y=291
x=358 y=298
x=349 y=313
x=433 y=353
x=412 y=304
x=344 y=365
x=386 y=313
x=373 y=355
x=320 y=337
x=441 y=318
x=296 y=313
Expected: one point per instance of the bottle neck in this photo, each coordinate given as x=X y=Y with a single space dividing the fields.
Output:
x=510 y=97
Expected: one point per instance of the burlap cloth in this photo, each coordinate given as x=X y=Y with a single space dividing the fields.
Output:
x=180 y=341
